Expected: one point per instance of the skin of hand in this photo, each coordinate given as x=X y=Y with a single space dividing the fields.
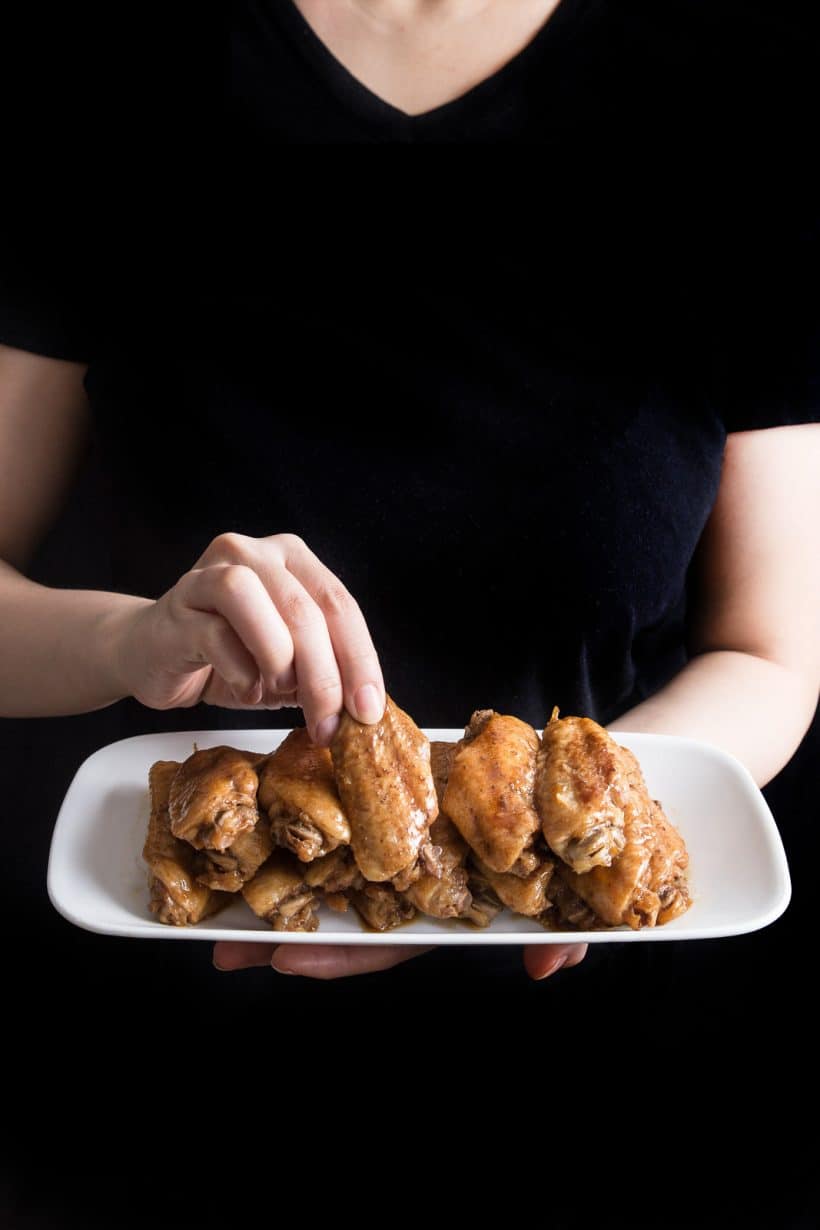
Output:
x=256 y=623
x=326 y=961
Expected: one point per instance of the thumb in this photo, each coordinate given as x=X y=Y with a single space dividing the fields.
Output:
x=542 y=960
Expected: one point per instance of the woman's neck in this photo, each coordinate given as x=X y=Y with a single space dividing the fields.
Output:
x=402 y=12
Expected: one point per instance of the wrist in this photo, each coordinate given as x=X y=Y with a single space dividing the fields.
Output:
x=116 y=640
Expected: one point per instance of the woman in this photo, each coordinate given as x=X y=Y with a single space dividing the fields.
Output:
x=450 y=435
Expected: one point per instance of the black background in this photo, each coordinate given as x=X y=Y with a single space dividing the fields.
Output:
x=656 y=1082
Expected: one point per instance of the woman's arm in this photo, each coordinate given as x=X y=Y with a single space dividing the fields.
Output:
x=55 y=656
x=256 y=622
x=752 y=684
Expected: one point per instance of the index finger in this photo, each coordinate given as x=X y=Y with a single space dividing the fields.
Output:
x=362 y=679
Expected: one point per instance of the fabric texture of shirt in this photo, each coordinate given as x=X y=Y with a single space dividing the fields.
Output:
x=494 y=405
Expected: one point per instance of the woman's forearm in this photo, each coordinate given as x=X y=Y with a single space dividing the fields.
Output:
x=754 y=708
x=57 y=647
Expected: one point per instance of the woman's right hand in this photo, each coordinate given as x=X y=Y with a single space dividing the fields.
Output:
x=256 y=623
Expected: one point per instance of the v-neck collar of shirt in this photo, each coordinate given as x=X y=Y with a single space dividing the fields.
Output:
x=370 y=106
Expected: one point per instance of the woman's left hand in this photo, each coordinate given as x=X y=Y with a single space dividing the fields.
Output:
x=339 y=961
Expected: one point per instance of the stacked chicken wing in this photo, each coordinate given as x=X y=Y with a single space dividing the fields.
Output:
x=559 y=828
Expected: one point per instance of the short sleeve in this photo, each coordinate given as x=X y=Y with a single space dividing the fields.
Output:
x=46 y=313
x=766 y=358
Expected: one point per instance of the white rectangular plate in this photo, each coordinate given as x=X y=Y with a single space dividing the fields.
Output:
x=738 y=872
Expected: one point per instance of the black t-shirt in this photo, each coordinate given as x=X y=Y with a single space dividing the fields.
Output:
x=493 y=404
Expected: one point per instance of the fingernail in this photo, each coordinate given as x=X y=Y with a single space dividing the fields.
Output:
x=559 y=964
x=368 y=702
x=224 y=969
x=327 y=729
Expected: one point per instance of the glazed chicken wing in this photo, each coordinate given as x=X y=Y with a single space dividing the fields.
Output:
x=446 y=895
x=489 y=795
x=645 y=885
x=386 y=787
x=176 y=898
x=578 y=779
x=213 y=797
x=381 y=907
x=335 y=872
x=278 y=893
x=526 y=895
x=667 y=870
x=298 y=791
x=333 y=875
x=568 y=909
x=232 y=868
x=484 y=905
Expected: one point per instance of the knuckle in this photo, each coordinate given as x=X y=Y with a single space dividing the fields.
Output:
x=229 y=546
x=232 y=581
x=291 y=544
x=298 y=609
x=335 y=600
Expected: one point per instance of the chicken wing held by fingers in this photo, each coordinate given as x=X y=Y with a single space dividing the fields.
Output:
x=489 y=795
x=386 y=786
x=213 y=797
x=579 y=770
x=176 y=897
x=298 y=791
x=278 y=893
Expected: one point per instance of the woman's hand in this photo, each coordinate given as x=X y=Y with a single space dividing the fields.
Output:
x=330 y=961
x=256 y=623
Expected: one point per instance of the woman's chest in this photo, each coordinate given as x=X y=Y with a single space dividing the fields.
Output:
x=458 y=446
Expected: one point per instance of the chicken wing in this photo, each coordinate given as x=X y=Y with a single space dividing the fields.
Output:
x=176 y=898
x=213 y=797
x=334 y=872
x=645 y=885
x=387 y=791
x=523 y=894
x=568 y=909
x=489 y=795
x=334 y=875
x=667 y=871
x=381 y=907
x=232 y=868
x=484 y=905
x=578 y=773
x=278 y=893
x=446 y=895
x=298 y=791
